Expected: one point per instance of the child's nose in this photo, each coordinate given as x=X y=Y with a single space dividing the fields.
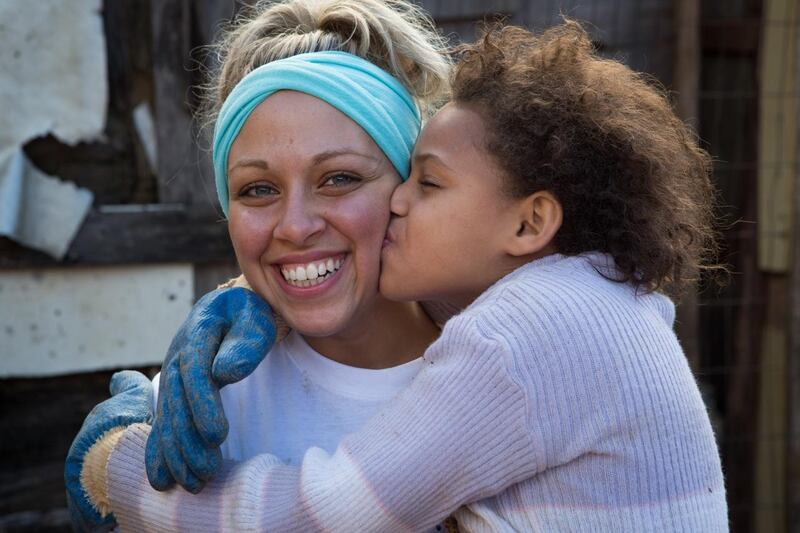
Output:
x=399 y=201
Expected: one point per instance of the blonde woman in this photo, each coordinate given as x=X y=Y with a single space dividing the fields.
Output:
x=306 y=187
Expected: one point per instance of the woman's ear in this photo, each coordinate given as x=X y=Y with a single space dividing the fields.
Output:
x=538 y=219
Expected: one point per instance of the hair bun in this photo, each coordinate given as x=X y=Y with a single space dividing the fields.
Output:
x=395 y=35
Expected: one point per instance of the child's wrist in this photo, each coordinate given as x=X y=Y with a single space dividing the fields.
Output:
x=94 y=478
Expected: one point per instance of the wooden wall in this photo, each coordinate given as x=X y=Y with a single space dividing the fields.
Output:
x=168 y=214
x=145 y=215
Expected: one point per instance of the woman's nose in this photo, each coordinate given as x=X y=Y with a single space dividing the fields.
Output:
x=399 y=202
x=300 y=221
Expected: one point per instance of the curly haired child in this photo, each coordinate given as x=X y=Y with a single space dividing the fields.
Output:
x=557 y=198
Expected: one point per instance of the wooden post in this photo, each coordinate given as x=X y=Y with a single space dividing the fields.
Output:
x=793 y=482
x=184 y=175
x=776 y=176
x=686 y=81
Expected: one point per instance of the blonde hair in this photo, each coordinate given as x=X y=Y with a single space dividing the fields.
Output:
x=393 y=34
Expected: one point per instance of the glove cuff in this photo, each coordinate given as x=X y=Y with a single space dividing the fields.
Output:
x=282 y=329
x=93 y=474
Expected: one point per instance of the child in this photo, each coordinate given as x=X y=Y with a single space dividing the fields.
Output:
x=555 y=197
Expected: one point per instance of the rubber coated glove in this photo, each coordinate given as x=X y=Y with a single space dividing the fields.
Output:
x=227 y=334
x=131 y=402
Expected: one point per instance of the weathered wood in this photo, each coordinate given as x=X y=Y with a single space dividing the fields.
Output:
x=686 y=83
x=446 y=10
x=732 y=36
x=112 y=168
x=132 y=235
x=733 y=318
x=793 y=470
x=39 y=419
x=635 y=32
x=209 y=276
x=183 y=173
x=777 y=114
x=771 y=437
x=776 y=176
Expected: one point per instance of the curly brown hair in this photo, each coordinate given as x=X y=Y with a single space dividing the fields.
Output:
x=603 y=139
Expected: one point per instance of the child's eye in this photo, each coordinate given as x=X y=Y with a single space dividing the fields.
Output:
x=340 y=180
x=428 y=183
x=258 y=190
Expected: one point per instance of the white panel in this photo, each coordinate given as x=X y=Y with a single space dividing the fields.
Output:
x=58 y=321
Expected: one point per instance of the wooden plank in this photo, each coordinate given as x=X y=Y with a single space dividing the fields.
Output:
x=634 y=32
x=732 y=36
x=112 y=167
x=133 y=234
x=209 y=276
x=771 y=436
x=183 y=171
x=686 y=82
x=39 y=419
x=468 y=9
x=793 y=471
x=732 y=320
x=777 y=129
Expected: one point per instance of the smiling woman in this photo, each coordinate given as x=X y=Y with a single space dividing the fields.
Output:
x=319 y=193
x=305 y=178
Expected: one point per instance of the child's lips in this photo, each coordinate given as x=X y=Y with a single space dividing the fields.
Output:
x=388 y=239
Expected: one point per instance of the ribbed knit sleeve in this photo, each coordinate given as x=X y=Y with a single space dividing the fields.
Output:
x=457 y=434
x=559 y=401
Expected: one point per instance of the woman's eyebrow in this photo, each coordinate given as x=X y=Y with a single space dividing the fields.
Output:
x=257 y=163
x=329 y=154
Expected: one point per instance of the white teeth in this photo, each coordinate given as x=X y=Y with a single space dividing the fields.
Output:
x=312 y=273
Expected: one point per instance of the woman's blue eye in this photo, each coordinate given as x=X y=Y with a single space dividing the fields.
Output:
x=258 y=190
x=340 y=180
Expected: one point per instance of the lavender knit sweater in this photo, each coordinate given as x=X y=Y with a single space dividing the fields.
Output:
x=558 y=401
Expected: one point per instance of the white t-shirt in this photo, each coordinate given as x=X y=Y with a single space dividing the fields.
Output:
x=297 y=399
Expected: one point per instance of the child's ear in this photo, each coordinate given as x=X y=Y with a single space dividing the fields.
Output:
x=538 y=219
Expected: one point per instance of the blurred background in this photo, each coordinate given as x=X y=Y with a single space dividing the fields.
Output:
x=109 y=229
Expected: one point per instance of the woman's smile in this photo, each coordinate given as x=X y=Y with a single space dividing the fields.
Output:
x=313 y=275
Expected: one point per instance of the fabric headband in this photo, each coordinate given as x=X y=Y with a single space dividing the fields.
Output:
x=370 y=96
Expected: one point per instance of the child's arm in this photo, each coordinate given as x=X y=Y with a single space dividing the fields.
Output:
x=457 y=434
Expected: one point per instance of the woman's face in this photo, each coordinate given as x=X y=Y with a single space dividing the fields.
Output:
x=309 y=205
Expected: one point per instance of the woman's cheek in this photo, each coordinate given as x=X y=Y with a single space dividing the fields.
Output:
x=364 y=218
x=251 y=236
x=250 y=230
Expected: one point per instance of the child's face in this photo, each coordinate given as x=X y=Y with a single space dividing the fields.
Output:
x=451 y=218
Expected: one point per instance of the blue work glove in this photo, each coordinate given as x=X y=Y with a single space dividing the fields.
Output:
x=227 y=334
x=131 y=402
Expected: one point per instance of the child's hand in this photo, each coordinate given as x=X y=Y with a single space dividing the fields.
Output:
x=225 y=337
x=131 y=402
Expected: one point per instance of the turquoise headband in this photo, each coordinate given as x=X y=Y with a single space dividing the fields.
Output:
x=370 y=96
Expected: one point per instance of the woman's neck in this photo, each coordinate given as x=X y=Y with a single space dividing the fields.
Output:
x=389 y=334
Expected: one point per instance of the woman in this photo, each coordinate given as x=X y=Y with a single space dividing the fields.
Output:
x=309 y=190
